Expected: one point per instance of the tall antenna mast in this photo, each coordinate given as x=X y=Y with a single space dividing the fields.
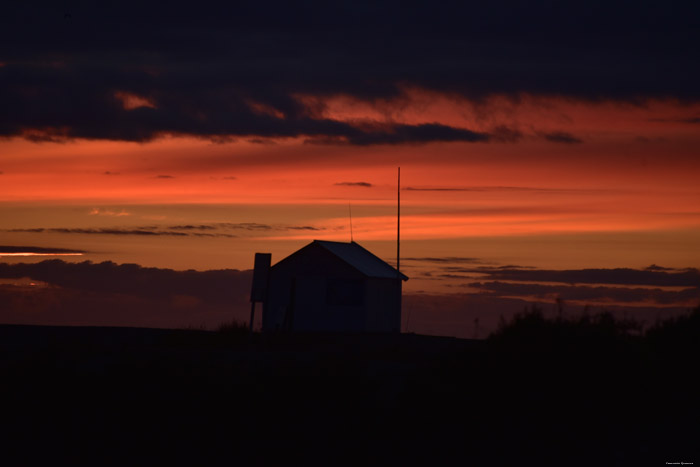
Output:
x=398 y=223
x=350 y=211
x=398 y=249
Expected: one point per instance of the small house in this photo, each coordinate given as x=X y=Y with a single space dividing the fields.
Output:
x=333 y=286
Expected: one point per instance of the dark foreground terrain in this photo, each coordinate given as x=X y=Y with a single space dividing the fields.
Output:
x=537 y=393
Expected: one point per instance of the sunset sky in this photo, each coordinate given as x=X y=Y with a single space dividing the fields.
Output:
x=555 y=136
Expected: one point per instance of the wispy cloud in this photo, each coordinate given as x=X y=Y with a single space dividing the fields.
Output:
x=493 y=188
x=655 y=267
x=219 y=229
x=414 y=188
x=561 y=137
x=38 y=251
x=587 y=293
x=164 y=176
x=691 y=120
x=301 y=227
x=445 y=259
x=100 y=231
x=193 y=227
x=653 y=286
x=360 y=184
x=108 y=212
x=224 y=287
x=620 y=276
x=380 y=133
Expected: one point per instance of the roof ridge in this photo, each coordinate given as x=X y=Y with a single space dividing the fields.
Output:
x=369 y=264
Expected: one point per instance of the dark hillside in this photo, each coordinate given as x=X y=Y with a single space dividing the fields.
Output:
x=538 y=392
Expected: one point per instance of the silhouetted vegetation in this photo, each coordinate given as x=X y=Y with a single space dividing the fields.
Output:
x=679 y=330
x=532 y=327
x=233 y=328
x=533 y=324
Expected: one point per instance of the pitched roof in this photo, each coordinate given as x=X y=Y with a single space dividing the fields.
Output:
x=361 y=259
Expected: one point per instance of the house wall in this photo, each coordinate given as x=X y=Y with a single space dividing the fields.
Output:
x=310 y=288
x=383 y=305
x=318 y=305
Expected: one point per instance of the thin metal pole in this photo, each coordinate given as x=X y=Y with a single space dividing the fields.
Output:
x=398 y=247
x=398 y=223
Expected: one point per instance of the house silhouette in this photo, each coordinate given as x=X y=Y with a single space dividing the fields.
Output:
x=333 y=286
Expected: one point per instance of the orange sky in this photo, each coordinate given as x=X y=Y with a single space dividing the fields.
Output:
x=624 y=170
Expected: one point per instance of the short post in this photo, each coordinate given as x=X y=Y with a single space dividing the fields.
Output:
x=252 y=316
x=261 y=280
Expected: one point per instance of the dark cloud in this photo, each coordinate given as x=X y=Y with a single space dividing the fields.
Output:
x=36 y=249
x=264 y=227
x=245 y=226
x=654 y=285
x=397 y=134
x=362 y=184
x=621 y=276
x=45 y=137
x=123 y=295
x=101 y=231
x=454 y=276
x=32 y=230
x=655 y=267
x=107 y=172
x=496 y=188
x=444 y=259
x=226 y=70
x=192 y=230
x=691 y=120
x=512 y=266
x=164 y=176
x=412 y=188
x=193 y=227
x=505 y=134
x=108 y=277
x=561 y=137
x=301 y=227
x=424 y=133
x=588 y=293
